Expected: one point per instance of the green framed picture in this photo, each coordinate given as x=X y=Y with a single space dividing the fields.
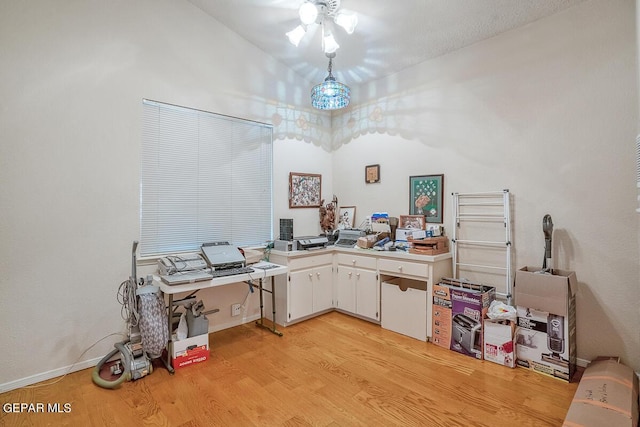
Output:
x=426 y=196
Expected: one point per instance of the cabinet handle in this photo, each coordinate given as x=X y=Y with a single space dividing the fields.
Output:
x=358 y=275
x=310 y=275
x=400 y=268
x=350 y=273
x=318 y=274
x=353 y=262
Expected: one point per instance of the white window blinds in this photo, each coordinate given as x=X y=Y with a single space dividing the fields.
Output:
x=204 y=177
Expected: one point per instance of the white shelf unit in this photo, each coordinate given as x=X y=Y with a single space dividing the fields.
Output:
x=481 y=242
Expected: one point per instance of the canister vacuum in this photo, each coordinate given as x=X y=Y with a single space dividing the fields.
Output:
x=144 y=311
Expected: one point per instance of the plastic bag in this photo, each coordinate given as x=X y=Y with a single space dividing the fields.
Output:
x=500 y=310
x=183 y=328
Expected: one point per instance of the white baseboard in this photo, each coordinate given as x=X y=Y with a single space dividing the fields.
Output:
x=241 y=321
x=583 y=363
x=44 y=376
x=60 y=372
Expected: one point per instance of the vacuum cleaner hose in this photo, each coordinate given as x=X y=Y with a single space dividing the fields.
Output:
x=126 y=375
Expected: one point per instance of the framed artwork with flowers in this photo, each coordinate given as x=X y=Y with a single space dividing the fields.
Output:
x=305 y=190
x=426 y=196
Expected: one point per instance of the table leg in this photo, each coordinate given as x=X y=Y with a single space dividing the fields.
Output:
x=167 y=361
x=273 y=307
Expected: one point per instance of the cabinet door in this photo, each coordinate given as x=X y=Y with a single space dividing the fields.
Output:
x=300 y=302
x=322 y=288
x=346 y=289
x=367 y=294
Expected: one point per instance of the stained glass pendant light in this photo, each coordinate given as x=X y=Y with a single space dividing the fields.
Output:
x=330 y=94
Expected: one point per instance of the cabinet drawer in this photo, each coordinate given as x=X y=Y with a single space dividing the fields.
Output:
x=357 y=261
x=309 y=261
x=397 y=267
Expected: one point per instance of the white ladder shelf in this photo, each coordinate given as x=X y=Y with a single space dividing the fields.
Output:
x=482 y=214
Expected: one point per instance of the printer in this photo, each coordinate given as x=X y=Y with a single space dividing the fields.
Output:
x=347 y=238
x=310 y=242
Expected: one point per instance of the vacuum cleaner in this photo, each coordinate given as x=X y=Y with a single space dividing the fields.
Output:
x=555 y=322
x=146 y=318
x=547 y=229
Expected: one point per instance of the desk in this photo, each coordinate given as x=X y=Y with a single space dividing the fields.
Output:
x=258 y=274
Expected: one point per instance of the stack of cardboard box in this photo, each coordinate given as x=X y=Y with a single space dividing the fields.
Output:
x=458 y=311
x=546 y=333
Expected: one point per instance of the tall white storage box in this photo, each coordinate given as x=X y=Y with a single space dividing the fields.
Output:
x=404 y=307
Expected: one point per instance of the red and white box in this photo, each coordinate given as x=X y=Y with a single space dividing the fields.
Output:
x=190 y=351
x=499 y=342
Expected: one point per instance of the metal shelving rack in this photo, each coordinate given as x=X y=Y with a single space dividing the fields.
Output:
x=492 y=209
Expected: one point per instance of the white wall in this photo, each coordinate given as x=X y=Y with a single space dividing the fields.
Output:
x=69 y=154
x=73 y=78
x=548 y=111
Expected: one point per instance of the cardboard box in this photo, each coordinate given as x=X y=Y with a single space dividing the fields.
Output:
x=404 y=234
x=499 y=342
x=366 y=242
x=180 y=347
x=441 y=316
x=190 y=350
x=458 y=312
x=429 y=245
x=606 y=396
x=190 y=357
x=546 y=332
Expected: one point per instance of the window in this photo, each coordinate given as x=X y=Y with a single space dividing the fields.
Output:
x=204 y=177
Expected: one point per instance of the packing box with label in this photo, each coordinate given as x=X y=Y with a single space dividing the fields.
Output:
x=499 y=342
x=190 y=351
x=546 y=332
x=458 y=311
x=606 y=396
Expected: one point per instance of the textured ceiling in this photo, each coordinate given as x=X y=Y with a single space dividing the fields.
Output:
x=391 y=34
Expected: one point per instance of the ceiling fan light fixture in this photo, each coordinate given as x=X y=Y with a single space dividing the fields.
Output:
x=308 y=13
x=347 y=20
x=329 y=44
x=296 y=35
x=324 y=13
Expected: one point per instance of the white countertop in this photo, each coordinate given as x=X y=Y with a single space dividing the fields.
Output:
x=365 y=252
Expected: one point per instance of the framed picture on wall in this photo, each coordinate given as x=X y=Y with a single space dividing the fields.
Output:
x=372 y=174
x=305 y=190
x=426 y=196
x=346 y=217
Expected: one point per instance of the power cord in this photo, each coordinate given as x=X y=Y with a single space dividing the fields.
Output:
x=74 y=363
x=128 y=301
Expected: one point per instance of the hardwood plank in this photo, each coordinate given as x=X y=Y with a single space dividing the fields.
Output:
x=334 y=370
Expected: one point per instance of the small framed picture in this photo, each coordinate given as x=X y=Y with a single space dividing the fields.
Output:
x=372 y=174
x=346 y=217
x=412 y=221
x=425 y=196
x=305 y=190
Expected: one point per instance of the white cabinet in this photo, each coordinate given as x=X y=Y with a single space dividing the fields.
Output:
x=322 y=279
x=300 y=290
x=357 y=287
x=306 y=290
x=314 y=286
x=425 y=269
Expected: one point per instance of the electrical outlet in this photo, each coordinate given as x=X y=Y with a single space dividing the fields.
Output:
x=235 y=309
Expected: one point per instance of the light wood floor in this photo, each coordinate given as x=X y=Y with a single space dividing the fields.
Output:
x=333 y=370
